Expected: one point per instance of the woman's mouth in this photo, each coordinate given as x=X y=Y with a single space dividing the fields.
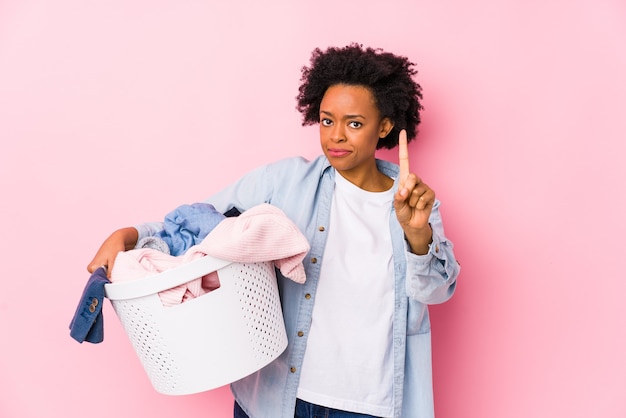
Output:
x=337 y=153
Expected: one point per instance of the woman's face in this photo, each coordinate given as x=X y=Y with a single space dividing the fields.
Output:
x=350 y=126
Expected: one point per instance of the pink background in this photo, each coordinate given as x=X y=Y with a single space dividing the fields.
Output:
x=115 y=112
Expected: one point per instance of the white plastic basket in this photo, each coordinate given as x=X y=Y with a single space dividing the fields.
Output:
x=209 y=341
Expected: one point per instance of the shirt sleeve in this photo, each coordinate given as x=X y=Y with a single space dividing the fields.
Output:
x=148 y=229
x=431 y=278
x=250 y=190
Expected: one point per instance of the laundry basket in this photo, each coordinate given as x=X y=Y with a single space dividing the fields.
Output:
x=209 y=341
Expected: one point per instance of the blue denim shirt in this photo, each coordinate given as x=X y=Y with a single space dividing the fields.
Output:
x=304 y=190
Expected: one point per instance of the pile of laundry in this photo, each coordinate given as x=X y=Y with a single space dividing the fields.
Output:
x=260 y=234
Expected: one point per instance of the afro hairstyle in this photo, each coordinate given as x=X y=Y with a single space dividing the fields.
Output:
x=389 y=77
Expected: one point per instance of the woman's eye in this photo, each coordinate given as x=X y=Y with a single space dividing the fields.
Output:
x=355 y=124
x=326 y=122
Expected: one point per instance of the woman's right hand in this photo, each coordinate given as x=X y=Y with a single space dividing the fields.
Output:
x=121 y=240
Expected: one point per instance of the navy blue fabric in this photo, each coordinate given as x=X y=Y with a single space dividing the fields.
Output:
x=238 y=412
x=232 y=212
x=308 y=410
x=88 y=323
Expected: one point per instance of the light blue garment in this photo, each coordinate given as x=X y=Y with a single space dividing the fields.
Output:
x=303 y=190
x=188 y=225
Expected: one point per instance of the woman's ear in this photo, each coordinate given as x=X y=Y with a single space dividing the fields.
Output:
x=386 y=125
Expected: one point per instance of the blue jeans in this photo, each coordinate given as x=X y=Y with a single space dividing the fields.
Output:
x=309 y=410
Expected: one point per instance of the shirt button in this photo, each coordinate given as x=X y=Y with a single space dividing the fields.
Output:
x=92 y=308
x=313 y=260
x=94 y=301
x=321 y=229
x=300 y=333
x=307 y=296
x=292 y=369
x=436 y=248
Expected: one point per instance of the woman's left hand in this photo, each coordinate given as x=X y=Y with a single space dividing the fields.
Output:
x=413 y=202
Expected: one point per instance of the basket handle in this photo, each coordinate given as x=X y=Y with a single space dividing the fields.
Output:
x=164 y=280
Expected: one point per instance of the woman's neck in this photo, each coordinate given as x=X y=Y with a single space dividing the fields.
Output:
x=370 y=180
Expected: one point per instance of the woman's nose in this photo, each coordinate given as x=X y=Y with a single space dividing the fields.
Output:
x=337 y=134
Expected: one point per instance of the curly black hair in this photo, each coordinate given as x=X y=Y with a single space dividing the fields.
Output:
x=389 y=77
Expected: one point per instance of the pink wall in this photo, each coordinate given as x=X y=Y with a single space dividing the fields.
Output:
x=115 y=112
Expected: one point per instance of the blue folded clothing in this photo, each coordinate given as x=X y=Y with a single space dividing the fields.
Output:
x=188 y=225
x=88 y=322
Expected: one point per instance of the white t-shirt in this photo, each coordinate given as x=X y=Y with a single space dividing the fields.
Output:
x=348 y=363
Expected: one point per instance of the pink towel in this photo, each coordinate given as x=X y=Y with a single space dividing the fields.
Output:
x=262 y=233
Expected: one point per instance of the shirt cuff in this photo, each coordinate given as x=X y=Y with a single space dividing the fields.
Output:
x=434 y=250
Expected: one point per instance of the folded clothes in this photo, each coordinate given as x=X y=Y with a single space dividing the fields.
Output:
x=88 y=322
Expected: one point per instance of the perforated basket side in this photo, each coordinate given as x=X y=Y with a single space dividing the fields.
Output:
x=260 y=304
x=149 y=344
x=212 y=340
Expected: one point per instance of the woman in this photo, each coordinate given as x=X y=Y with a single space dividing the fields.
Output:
x=358 y=329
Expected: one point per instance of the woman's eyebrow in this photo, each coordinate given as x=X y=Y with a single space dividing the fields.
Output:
x=327 y=113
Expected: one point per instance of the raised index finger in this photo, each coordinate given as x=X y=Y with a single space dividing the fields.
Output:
x=403 y=160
